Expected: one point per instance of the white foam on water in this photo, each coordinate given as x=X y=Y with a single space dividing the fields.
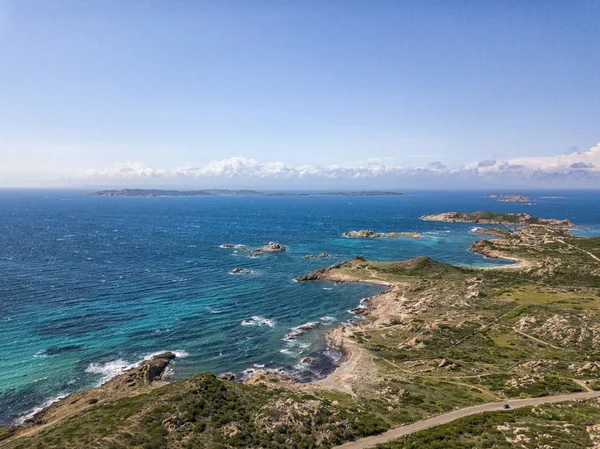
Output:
x=289 y=352
x=110 y=369
x=47 y=403
x=257 y=320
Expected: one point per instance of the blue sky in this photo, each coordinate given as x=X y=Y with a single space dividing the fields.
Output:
x=254 y=92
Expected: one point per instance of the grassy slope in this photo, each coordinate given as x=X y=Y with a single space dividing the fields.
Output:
x=205 y=411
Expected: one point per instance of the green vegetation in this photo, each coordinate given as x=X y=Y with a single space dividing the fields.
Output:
x=204 y=411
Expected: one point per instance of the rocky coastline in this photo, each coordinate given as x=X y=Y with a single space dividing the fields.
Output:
x=148 y=374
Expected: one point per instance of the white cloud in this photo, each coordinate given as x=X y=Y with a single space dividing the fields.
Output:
x=589 y=160
x=579 y=166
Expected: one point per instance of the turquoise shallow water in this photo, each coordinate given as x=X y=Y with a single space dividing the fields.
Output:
x=92 y=285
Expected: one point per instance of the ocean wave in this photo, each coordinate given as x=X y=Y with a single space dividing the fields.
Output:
x=327 y=319
x=209 y=309
x=258 y=321
x=111 y=369
x=289 y=352
x=47 y=403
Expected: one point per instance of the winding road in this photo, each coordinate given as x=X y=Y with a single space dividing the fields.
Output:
x=461 y=413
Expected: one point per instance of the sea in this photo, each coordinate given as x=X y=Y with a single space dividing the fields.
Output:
x=91 y=286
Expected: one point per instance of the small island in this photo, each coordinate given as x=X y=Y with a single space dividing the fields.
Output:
x=272 y=247
x=509 y=198
x=484 y=217
x=368 y=234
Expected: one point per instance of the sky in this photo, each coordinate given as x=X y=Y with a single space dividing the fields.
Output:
x=298 y=94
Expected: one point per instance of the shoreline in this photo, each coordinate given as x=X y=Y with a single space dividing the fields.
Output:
x=335 y=338
x=346 y=368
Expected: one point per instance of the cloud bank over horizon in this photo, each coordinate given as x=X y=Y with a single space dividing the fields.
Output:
x=572 y=169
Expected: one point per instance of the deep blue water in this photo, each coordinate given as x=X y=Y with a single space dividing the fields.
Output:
x=91 y=285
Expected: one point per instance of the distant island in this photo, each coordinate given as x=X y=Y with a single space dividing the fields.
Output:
x=149 y=193
x=483 y=217
x=509 y=198
x=368 y=234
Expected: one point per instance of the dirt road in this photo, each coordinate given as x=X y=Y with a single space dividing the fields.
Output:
x=451 y=416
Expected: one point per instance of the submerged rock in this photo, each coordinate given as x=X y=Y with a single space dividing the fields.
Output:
x=316 y=256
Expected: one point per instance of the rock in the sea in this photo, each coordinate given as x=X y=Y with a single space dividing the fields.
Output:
x=301 y=330
x=306 y=360
x=316 y=256
x=272 y=247
x=227 y=245
x=241 y=271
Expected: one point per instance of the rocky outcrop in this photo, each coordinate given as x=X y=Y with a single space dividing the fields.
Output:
x=323 y=273
x=296 y=332
x=486 y=248
x=272 y=247
x=126 y=384
x=227 y=376
x=496 y=218
x=368 y=234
